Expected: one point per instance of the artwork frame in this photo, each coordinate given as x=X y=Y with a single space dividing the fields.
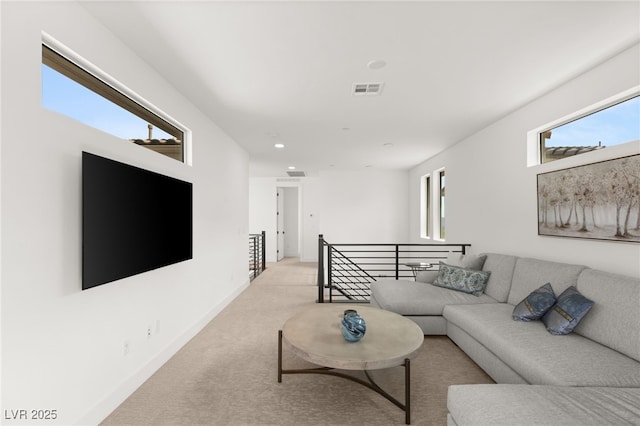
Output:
x=597 y=201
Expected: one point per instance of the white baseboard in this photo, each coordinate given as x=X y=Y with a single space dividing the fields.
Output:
x=101 y=410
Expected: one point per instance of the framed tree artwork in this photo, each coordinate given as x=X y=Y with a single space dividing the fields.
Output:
x=597 y=201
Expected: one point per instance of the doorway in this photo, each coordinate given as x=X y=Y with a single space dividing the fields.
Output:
x=288 y=234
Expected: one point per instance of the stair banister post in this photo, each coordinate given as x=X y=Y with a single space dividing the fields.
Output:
x=329 y=271
x=397 y=262
x=320 y=269
x=264 y=250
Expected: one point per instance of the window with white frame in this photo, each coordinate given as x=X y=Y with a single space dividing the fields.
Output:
x=612 y=122
x=425 y=211
x=441 y=204
x=432 y=206
x=70 y=89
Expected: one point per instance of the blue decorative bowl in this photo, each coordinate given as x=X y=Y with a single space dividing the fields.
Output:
x=353 y=326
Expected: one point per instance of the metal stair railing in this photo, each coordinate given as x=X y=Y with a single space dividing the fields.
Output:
x=346 y=271
x=257 y=254
x=347 y=277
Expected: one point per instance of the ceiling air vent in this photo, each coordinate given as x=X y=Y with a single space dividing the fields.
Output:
x=367 y=89
x=296 y=173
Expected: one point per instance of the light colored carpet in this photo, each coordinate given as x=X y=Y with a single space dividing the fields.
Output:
x=289 y=271
x=227 y=374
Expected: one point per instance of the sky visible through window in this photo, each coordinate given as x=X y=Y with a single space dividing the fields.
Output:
x=612 y=126
x=65 y=96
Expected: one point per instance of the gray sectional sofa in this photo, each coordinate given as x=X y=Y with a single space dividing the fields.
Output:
x=590 y=376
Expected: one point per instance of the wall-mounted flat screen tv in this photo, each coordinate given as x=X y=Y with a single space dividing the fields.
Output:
x=133 y=220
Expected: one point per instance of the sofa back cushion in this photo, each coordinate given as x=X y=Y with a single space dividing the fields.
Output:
x=501 y=267
x=614 y=319
x=530 y=274
x=466 y=261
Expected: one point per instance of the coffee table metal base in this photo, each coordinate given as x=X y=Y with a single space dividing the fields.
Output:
x=371 y=384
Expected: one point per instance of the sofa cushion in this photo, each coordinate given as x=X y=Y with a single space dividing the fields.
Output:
x=614 y=320
x=461 y=279
x=426 y=276
x=540 y=357
x=565 y=315
x=501 y=267
x=527 y=405
x=535 y=305
x=456 y=259
x=529 y=274
x=412 y=298
x=467 y=261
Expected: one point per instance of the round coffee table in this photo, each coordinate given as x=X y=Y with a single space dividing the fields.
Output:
x=390 y=340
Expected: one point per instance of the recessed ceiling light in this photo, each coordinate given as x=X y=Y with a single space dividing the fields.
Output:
x=388 y=144
x=279 y=145
x=376 y=64
x=291 y=167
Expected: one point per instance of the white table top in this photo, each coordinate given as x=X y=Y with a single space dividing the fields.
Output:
x=419 y=265
x=315 y=336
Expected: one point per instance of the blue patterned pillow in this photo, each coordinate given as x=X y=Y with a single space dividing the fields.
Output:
x=569 y=309
x=535 y=305
x=461 y=279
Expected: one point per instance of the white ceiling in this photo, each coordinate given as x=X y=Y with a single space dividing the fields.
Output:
x=269 y=72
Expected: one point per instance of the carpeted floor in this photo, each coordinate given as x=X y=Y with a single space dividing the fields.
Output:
x=227 y=374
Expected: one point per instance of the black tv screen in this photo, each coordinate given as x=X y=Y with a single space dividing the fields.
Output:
x=133 y=220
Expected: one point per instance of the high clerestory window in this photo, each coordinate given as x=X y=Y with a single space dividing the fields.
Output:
x=73 y=91
x=597 y=129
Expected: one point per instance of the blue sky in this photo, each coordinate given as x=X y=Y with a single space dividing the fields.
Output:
x=612 y=126
x=65 y=96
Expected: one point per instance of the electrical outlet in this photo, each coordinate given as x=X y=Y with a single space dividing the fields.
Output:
x=149 y=332
x=125 y=348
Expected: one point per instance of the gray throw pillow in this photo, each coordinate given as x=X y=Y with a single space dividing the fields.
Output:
x=569 y=309
x=466 y=261
x=535 y=305
x=462 y=279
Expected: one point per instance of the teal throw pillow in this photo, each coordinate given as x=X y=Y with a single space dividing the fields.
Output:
x=535 y=305
x=569 y=309
x=466 y=280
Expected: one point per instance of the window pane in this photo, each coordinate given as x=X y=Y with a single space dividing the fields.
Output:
x=442 y=193
x=614 y=125
x=427 y=206
x=69 y=90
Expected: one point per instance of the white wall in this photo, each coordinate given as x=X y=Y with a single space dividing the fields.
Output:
x=262 y=212
x=491 y=193
x=309 y=198
x=364 y=206
x=346 y=207
x=62 y=348
x=291 y=222
x=263 y=207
